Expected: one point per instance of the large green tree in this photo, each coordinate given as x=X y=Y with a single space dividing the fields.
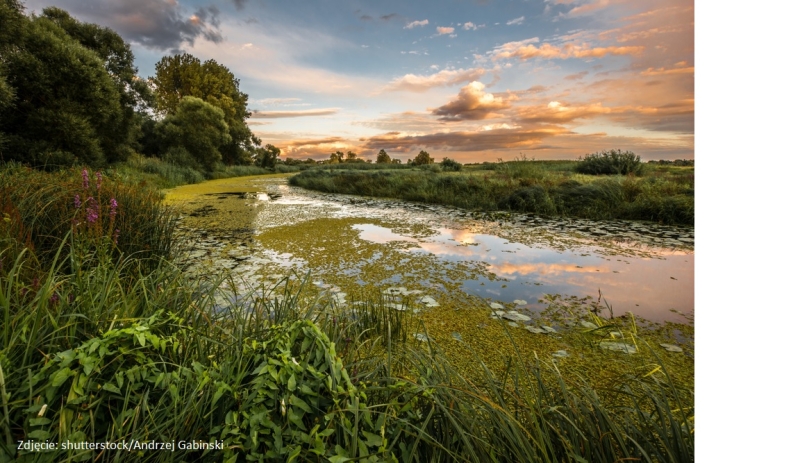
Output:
x=64 y=101
x=194 y=134
x=181 y=76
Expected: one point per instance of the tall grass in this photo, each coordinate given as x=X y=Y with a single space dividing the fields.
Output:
x=542 y=188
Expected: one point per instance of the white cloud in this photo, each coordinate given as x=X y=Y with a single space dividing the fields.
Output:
x=444 y=30
x=417 y=83
x=414 y=24
x=516 y=21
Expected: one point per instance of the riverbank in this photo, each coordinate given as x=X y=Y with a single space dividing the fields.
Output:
x=660 y=193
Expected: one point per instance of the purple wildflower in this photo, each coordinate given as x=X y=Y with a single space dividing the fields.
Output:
x=85 y=179
x=99 y=178
x=71 y=298
x=113 y=208
x=116 y=235
x=77 y=201
x=35 y=283
x=91 y=210
x=54 y=298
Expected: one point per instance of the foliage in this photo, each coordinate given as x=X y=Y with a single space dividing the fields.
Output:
x=195 y=134
x=422 y=158
x=549 y=188
x=75 y=94
x=268 y=156
x=181 y=76
x=50 y=206
x=451 y=165
x=612 y=162
x=383 y=157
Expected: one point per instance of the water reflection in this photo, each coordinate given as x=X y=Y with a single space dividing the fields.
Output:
x=646 y=286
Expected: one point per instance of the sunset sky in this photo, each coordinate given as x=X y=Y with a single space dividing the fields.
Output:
x=472 y=80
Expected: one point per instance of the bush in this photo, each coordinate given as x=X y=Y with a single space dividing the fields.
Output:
x=451 y=165
x=610 y=162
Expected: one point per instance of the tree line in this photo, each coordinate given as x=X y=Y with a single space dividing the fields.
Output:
x=70 y=94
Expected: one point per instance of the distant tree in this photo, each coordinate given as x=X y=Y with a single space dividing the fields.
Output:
x=397 y=161
x=334 y=159
x=422 y=158
x=194 y=134
x=451 y=165
x=338 y=155
x=183 y=75
x=351 y=156
x=383 y=157
x=268 y=156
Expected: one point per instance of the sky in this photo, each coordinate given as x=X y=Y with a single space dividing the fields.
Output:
x=472 y=80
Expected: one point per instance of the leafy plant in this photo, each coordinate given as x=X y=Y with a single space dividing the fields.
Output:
x=616 y=162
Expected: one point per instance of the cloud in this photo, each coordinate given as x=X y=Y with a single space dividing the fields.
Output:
x=472 y=103
x=390 y=16
x=297 y=113
x=155 y=24
x=471 y=26
x=478 y=140
x=444 y=30
x=278 y=101
x=417 y=83
x=239 y=4
x=525 y=52
x=577 y=76
x=516 y=21
x=414 y=24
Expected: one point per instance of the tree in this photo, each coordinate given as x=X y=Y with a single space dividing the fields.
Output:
x=269 y=156
x=351 y=156
x=339 y=157
x=334 y=159
x=450 y=164
x=183 y=75
x=422 y=158
x=66 y=106
x=383 y=158
x=194 y=134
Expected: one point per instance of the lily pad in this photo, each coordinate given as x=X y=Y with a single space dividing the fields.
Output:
x=671 y=347
x=588 y=325
x=513 y=324
x=560 y=354
x=495 y=305
x=429 y=301
x=516 y=316
x=535 y=330
x=421 y=337
x=618 y=347
x=457 y=336
x=520 y=302
x=548 y=329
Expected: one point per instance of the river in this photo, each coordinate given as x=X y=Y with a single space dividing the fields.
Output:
x=262 y=229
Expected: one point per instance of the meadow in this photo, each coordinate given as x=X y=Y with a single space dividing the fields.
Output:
x=104 y=339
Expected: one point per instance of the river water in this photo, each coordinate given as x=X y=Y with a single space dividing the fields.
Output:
x=349 y=243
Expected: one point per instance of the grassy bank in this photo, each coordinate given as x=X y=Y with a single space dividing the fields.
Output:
x=105 y=340
x=661 y=193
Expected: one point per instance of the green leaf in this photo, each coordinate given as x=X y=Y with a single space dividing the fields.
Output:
x=39 y=435
x=292 y=384
x=111 y=388
x=39 y=421
x=58 y=378
x=338 y=459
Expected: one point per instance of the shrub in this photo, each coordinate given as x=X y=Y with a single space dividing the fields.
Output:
x=610 y=162
x=451 y=165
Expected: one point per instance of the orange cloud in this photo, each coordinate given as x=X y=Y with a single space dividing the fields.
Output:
x=472 y=103
x=569 y=50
